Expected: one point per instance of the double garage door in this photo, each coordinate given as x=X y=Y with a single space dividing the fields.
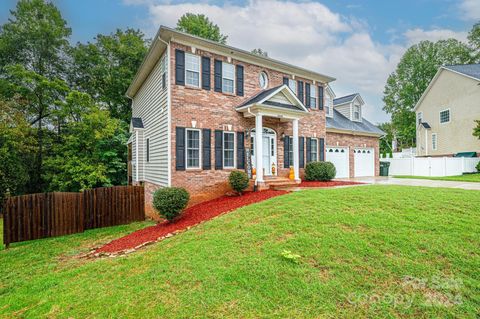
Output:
x=364 y=161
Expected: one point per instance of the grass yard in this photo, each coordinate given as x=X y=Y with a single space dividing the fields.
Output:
x=460 y=178
x=370 y=251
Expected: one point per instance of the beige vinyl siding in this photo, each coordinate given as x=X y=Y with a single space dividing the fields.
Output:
x=280 y=98
x=151 y=105
x=461 y=95
x=134 y=155
x=345 y=110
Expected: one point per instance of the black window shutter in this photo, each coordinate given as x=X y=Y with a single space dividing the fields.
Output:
x=180 y=148
x=205 y=73
x=309 y=149
x=301 y=150
x=320 y=97
x=300 y=90
x=206 y=148
x=240 y=150
x=218 y=149
x=322 y=149
x=218 y=76
x=239 y=71
x=164 y=80
x=179 y=67
x=285 y=80
x=307 y=95
x=286 y=147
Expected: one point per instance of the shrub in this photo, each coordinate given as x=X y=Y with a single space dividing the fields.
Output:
x=320 y=171
x=478 y=167
x=238 y=181
x=169 y=202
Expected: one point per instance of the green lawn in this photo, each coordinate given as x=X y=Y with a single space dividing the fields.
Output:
x=459 y=178
x=356 y=247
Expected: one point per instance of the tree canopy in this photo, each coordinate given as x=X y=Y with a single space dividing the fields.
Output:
x=200 y=25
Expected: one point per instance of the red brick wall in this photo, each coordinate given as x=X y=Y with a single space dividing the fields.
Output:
x=337 y=139
x=212 y=110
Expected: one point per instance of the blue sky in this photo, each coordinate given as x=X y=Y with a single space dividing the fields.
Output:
x=357 y=42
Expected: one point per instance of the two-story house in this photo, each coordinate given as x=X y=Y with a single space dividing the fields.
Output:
x=447 y=110
x=201 y=109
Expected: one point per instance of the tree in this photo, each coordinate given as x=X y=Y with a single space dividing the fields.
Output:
x=414 y=72
x=474 y=40
x=200 y=25
x=16 y=145
x=476 y=130
x=87 y=154
x=386 y=141
x=104 y=69
x=32 y=62
x=259 y=51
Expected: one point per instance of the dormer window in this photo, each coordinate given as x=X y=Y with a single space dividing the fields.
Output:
x=356 y=112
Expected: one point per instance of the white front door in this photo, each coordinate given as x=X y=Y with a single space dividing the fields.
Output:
x=269 y=150
x=339 y=157
x=364 y=159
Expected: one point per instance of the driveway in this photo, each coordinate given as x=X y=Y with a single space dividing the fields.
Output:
x=383 y=180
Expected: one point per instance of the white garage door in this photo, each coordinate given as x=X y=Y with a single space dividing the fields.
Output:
x=364 y=162
x=339 y=157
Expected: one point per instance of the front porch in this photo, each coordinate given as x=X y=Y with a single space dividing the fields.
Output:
x=278 y=103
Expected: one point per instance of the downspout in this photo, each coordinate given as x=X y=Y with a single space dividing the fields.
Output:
x=169 y=115
x=426 y=142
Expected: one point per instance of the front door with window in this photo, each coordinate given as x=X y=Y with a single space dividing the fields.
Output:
x=269 y=150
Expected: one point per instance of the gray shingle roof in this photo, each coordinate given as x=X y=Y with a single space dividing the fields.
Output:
x=338 y=121
x=137 y=122
x=260 y=96
x=472 y=70
x=344 y=99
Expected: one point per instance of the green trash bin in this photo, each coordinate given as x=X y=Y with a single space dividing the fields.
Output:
x=384 y=168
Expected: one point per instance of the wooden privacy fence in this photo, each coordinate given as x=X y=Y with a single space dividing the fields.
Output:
x=38 y=216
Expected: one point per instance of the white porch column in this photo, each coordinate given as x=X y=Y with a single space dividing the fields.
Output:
x=258 y=147
x=295 y=150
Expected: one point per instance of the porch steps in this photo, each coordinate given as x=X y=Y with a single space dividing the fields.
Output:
x=279 y=182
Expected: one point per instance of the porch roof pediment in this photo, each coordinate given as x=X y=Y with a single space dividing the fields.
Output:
x=279 y=100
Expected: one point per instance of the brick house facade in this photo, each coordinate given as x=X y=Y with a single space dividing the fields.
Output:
x=187 y=131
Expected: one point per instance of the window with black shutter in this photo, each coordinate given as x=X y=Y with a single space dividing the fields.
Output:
x=218 y=149
x=180 y=148
x=206 y=149
x=179 y=67
x=320 y=97
x=286 y=153
x=239 y=73
x=309 y=149
x=240 y=150
x=218 y=76
x=307 y=94
x=301 y=151
x=322 y=149
x=300 y=91
x=205 y=73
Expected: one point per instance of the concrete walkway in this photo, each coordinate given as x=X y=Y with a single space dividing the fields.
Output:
x=382 y=180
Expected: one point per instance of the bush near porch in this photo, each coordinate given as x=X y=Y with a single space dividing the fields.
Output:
x=320 y=171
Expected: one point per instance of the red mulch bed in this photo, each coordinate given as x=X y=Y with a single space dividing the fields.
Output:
x=192 y=216
x=327 y=184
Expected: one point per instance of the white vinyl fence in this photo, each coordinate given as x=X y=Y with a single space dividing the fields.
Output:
x=432 y=166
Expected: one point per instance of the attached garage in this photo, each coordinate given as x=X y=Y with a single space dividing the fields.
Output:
x=364 y=162
x=339 y=157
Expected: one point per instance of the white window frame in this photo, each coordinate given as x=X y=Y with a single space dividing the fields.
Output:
x=313 y=96
x=260 y=76
x=293 y=83
x=312 y=140
x=224 y=77
x=234 y=151
x=449 y=116
x=434 y=141
x=197 y=57
x=328 y=105
x=359 y=112
x=419 y=118
x=199 y=148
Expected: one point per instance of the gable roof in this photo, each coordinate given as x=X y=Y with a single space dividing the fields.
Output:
x=340 y=122
x=166 y=34
x=471 y=71
x=265 y=98
x=347 y=99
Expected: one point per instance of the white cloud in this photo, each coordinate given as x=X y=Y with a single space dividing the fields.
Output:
x=470 y=10
x=414 y=36
x=307 y=34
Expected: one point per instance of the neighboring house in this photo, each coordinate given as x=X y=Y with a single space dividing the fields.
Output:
x=352 y=141
x=447 y=110
x=199 y=108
